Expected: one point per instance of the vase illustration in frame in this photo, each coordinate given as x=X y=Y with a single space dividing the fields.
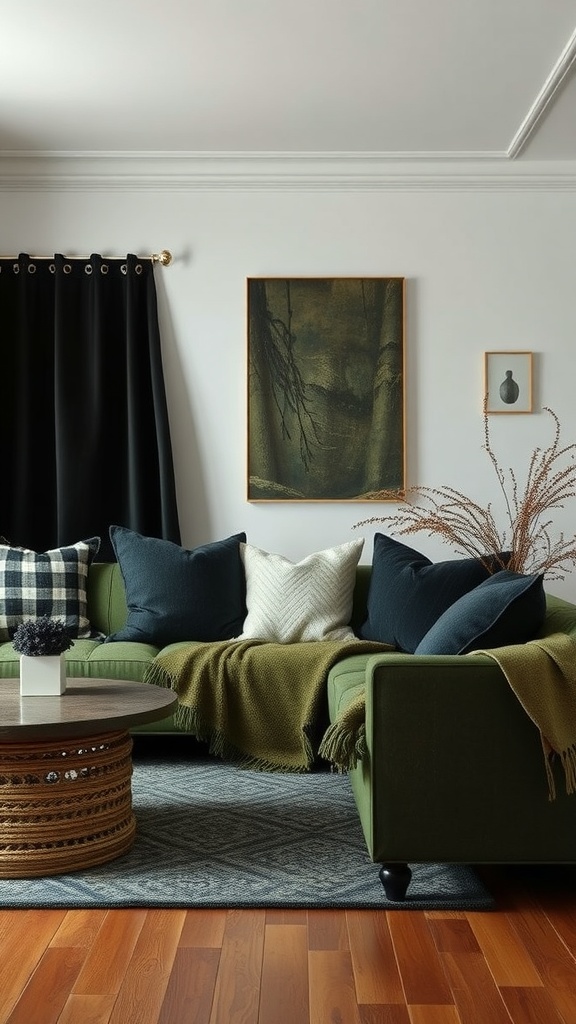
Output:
x=326 y=389
x=508 y=382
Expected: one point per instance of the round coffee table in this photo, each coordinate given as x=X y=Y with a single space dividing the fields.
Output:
x=65 y=773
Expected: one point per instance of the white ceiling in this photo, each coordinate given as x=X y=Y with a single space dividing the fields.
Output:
x=409 y=78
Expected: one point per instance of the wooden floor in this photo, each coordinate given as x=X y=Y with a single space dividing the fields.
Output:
x=514 y=963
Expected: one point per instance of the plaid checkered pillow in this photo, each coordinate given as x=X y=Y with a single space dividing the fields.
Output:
x=52 y=583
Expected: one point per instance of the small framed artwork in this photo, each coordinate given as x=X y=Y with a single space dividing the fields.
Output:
x=326 y=389
x=508 y=381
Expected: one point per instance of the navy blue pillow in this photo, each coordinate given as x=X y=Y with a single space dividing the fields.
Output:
x=174 y=594
x=408 y=592
x=508 y=608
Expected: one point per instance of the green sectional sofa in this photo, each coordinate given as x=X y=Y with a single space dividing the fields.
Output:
x=453 y=768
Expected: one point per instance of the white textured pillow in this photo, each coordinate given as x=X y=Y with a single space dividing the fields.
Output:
x=289 y=602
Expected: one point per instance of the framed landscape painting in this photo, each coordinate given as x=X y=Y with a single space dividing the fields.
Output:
x=326 y=395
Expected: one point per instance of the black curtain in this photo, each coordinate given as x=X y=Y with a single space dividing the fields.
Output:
x=83 y=416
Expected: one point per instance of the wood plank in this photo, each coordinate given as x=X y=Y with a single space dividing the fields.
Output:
x=287 y=916
x=376 y=975
x=237 y=991
x=384 y=1014
x=87 y=1010
x=48 y=986
x=474 y=992
x=423 y=978
x=434 y=1015
x=553 y=961
x=106 y=965
x=22 y=950
x=191 y=986
x=332 y=993
x=503 y=951
x=142 y=992
x=431 y=915
x=79 y=928
x=327 y=930
x=284 y=985
x=453 y=936
x=532 y=1006
x=203 y=928
x=561 y=913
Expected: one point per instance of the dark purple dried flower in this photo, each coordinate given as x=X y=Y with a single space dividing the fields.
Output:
x=41 y=636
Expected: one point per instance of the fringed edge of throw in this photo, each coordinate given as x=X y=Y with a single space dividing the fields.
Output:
x=158 y=676
x=219 y=745
x=568 y=758
x=342 y=746
x=568 y=762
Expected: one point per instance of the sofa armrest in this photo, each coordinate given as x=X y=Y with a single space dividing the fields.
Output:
x=454 y=767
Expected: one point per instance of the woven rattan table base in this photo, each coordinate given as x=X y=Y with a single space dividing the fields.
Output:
x=64 y=806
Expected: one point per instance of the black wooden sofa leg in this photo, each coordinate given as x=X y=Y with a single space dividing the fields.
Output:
x=395 y=878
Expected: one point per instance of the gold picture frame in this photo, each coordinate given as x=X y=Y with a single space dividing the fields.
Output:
x=326 y=389
x=508 y=382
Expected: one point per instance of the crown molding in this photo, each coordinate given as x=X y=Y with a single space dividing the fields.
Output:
x=551 y=86
x=22 y=171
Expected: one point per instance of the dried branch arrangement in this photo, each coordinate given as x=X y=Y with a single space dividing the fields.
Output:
x=525 y=543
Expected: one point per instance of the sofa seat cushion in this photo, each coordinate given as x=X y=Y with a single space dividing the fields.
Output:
x=92 y=659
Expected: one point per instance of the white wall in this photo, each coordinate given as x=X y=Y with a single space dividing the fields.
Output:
x=486 y=269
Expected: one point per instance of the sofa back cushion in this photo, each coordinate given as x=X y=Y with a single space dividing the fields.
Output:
x=106 y=597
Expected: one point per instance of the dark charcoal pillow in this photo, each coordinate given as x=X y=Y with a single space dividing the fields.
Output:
x=52 y=583
x=408 y=592
x=174 y=594
x=508 y=608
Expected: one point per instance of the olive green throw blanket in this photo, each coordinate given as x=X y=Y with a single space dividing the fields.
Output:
x=258 y=703
x=542 y=674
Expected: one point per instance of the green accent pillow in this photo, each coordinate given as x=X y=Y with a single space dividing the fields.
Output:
x=508 y=608
x=175 y=594
x=408 y=592
x=53 y=583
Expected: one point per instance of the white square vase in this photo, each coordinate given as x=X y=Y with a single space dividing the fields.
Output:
x=42 y=675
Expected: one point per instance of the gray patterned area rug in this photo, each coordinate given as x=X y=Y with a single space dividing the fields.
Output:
x=210 y=834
